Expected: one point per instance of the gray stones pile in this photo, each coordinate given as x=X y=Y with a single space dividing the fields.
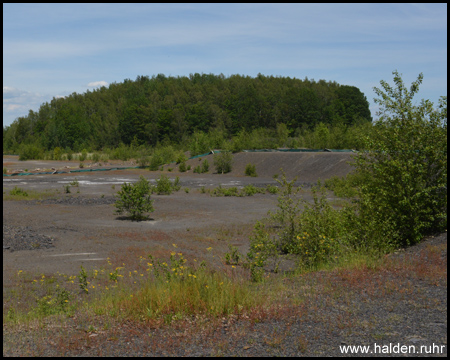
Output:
x=24 y=238
x=77 y=200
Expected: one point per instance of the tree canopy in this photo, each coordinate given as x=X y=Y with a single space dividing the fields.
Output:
x=151 y=110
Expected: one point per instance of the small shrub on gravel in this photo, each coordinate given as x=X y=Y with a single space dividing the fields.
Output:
x=272 y=189
x=223 y=162
x=250 y=170
x=233 y=257
x=250 y=190
x=134 y=199
x=18 y=192
x=182 y=167
x=165 y=187
x=205 y=166
x=220 y=191
x=316 y=235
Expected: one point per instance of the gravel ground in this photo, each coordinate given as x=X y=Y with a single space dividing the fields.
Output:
x=24 y=238
x=75 y=200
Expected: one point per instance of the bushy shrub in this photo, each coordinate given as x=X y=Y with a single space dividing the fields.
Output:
x=182 y=167
x=272 y=189
x=250 y=170
x=322 y=231
x=223 y=162
x=30 y=152
x=220 y=191
x=165 y=187
x=155 y=162
x=96 y=157
x=83 y=155
x=405 y=165
x=18 y=192
x=250 y=190
x=234 y=256
x=143 y=185
x=134 y=199
x=57 y=153
x=205 y=166
x=197 y=170
x=182 y=158
x=345 y=187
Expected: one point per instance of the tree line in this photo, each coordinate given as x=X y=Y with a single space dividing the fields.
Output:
x=161 y=109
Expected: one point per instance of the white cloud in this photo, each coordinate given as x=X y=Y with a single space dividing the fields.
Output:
x=18 y=102
x=97 y=83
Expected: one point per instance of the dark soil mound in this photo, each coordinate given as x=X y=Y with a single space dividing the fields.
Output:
x=308 y=167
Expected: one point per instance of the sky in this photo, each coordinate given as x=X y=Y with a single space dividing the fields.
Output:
x=53 y=50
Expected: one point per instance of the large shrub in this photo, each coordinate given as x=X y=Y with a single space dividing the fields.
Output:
x=404 y=194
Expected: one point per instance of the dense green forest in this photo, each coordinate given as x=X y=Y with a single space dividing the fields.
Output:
x=160 y=109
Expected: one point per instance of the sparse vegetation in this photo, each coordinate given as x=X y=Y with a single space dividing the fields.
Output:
x=18 y=192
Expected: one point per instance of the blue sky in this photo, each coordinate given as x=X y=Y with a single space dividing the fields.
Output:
x=53 y=50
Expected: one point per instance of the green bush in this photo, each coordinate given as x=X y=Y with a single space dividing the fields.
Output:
x=143 y=161
x=83 y=155
x=182 y=158
x=143 y=185
x=155 y=162
x=322 y=231
x=223 y=162
x=250 y=190
x=182 y=167
x=57 y=153
x=345 y=187
x=134 y=199
x=405 y=165
x=30 y=152
x=316 y=235
x=263 y=245
x=272 y=189
x=198 y=169
x=220 y=191
x=96 y=157
x=234 y=256
x=250 y=170
x=165 y=187
x=18 y=192
x=205 y=166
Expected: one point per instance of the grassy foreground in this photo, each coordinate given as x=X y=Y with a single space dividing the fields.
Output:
x=185 y=296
